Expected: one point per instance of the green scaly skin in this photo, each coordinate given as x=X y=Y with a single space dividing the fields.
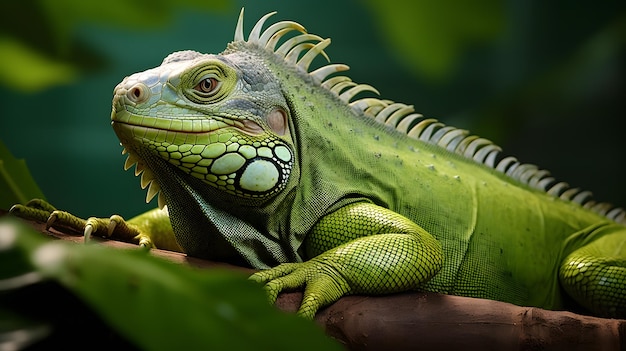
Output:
x=263 y=163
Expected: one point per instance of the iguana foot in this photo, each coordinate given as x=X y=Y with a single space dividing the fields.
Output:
x=115 y=226
x=323 y=284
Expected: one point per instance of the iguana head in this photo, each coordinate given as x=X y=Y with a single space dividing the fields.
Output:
x=220 y=118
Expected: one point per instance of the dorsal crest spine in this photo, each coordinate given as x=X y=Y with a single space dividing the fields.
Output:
x=300 y=50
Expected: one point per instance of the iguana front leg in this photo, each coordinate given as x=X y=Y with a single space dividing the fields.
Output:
x=595 y=274
x=150 y=229
x=360 y=248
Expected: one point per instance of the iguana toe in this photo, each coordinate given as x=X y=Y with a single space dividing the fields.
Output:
x=30 y=213
x=66 y=220
x=41 y=204
x=322 y=290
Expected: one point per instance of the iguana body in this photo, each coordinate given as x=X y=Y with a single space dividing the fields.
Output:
x=261 y=162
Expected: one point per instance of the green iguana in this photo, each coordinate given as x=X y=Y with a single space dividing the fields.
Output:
x=265 y=162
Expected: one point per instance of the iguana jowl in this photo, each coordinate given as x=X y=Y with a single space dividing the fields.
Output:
x=262 y=161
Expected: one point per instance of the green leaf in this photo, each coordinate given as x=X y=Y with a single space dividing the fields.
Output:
x=159 y=305
x=16 y=183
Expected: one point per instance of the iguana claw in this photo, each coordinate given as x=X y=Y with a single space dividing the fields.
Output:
x=87 y=233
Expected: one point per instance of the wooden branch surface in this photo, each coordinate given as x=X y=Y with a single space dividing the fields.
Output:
x=430 y=321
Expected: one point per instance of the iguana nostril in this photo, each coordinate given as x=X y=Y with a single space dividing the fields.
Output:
x=138 y=93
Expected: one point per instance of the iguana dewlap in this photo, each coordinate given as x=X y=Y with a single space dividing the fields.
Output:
x=263 y=161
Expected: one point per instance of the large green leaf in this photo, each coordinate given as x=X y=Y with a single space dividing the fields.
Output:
x=156 y=304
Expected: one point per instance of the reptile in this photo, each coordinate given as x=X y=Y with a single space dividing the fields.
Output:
x=260 y=160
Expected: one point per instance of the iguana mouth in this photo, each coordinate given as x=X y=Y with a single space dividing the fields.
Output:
x=189 y=126
x=184 y=125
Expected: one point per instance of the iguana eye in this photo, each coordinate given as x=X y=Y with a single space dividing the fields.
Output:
x=208 y=85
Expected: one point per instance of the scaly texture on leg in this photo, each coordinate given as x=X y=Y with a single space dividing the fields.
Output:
x=366 y=249
x=595 y=275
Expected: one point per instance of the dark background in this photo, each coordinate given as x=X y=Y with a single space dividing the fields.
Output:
x=543 y=79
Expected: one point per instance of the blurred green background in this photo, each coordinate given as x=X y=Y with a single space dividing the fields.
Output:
x=543 y=79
